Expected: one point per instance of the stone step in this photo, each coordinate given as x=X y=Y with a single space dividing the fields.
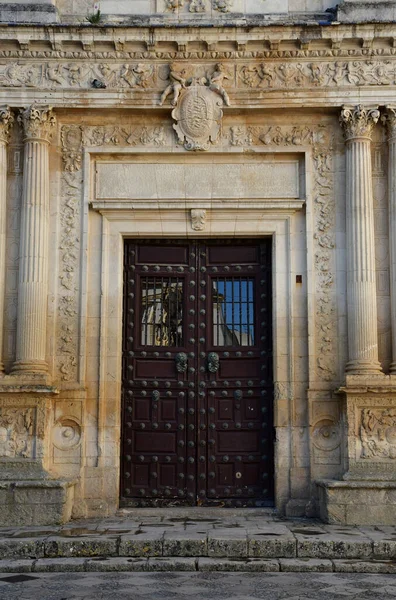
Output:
x=176 y=563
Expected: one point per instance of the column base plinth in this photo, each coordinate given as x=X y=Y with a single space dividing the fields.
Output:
x=30 y=368
x=363 y=367
x=392 y=368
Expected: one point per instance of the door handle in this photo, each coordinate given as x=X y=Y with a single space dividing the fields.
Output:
x=213 y=362
x=181 y=361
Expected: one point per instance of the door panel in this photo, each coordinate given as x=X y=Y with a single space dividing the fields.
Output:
x=197 y=373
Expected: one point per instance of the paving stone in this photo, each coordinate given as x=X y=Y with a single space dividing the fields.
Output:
x=59 y=565
x=142 y=543
x=186 y=543
x=16 y=566
x=384 y=541
x=247 y=564
x=333 y=545
x=118 y=563
x=228 y=543
x=305 y=565
x=272 y=541
x=361 y=566
x=171 y=564
x=59 y=547
x=21 y=548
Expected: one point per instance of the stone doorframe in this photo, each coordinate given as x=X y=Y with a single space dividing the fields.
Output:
x=267 y=217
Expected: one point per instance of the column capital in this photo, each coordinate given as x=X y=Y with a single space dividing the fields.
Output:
x=389 y=120
x=38 y=122
x=358 y=121
x=6 y=120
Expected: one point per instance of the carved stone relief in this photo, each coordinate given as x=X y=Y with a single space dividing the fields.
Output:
x=198 y=219
x=147 y=75
x=223 y=6
x=377 y=433
x=198 y=114
x=66 y=434
x=17 y=429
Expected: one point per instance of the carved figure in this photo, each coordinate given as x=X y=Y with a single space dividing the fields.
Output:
x=216 y=82
x=177 y=83
x=54 y=73
x=213 y=362
x=173 y=5
x=197 y=6
x=223 y=6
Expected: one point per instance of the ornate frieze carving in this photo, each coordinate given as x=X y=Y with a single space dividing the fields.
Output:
x=17 y=429
x=6 y=121
x=38 y=122
x=198 y=219
x=358 y=121
x=147 y=74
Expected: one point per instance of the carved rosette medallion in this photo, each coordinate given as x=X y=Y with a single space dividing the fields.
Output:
x=38 y=123
x=198 y=114
x=6 y=120
x=358 y=122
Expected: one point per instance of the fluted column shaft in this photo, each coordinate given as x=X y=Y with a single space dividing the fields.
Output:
x=38 y=123
x=6 y=119
x=390 y=120
x=358 y=124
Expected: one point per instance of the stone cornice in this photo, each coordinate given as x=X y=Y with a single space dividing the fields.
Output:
x=6 y=120
x=358 y=121
x=38 y=122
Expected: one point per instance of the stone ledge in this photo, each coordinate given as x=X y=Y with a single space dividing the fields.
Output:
x=35 y=501
x=119 y=564
x=347 y=503
x=366 y=12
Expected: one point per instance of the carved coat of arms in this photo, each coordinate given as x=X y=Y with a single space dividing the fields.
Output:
x=198 y=114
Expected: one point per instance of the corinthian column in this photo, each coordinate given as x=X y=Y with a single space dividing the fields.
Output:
x=390 y=120
x=6 y=119
x=38 y=124
x=358 y=124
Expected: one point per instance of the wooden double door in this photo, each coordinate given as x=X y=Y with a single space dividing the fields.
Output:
x=197 y=422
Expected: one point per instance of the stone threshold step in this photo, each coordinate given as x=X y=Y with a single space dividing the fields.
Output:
x=121 y=564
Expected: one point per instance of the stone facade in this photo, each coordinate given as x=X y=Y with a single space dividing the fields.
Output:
x=102 y=138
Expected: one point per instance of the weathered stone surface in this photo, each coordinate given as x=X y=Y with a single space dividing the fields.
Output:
x=272 y=541
x=57 y=547
x=59 y=565
x=229 y=543
x=21 y=548
x=301 y=565
x=116 y=564
x=16 y=566
x=170 y=564
x=238 y=564
x=142 y=543
x=185 y=544
x=361 y=566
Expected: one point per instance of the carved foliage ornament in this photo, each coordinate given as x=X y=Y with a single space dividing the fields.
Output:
x=38 y=122
x=16 y=432
x=358 y=121
x=6 y=120
x=389 y=120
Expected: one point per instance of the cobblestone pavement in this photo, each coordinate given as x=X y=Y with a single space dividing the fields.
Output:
x=197 y=586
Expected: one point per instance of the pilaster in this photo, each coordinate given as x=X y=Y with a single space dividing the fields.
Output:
x=358 y=123
x=389 y=120
x=6 y=120
x=38 y=124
